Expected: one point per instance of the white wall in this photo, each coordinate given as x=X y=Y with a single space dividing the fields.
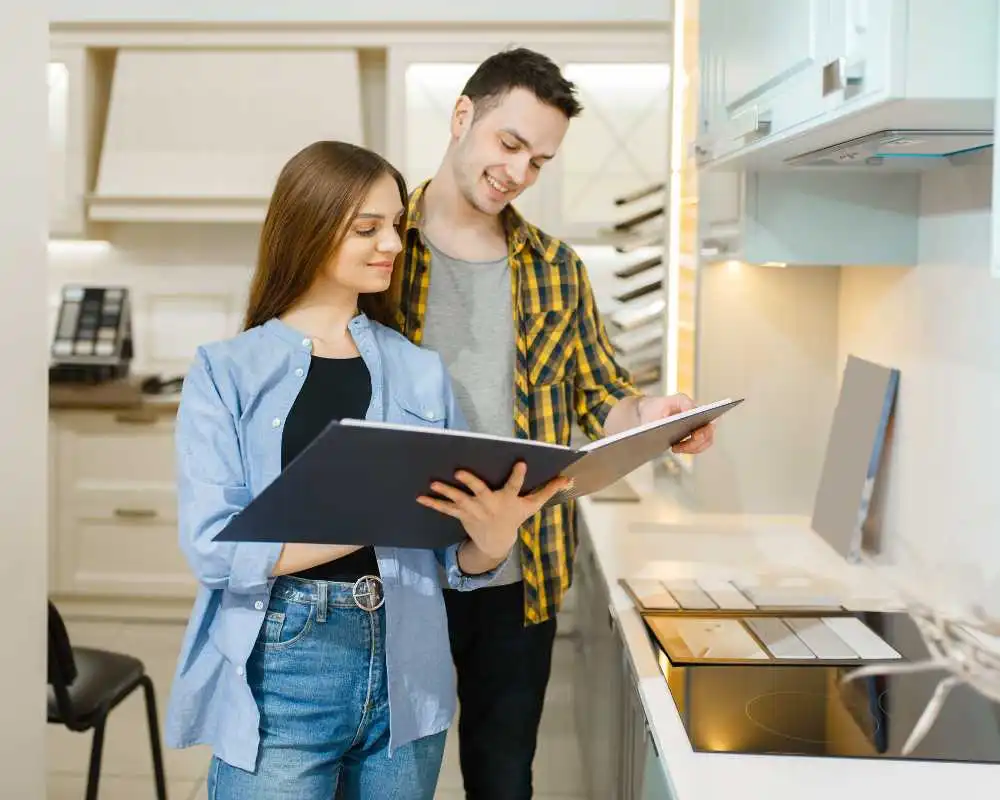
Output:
x=188 y=284
x=939 y=323
x=347 y=11
x=23 y=402
x=768 y=335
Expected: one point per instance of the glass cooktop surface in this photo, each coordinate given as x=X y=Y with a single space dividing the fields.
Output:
x=796 y=709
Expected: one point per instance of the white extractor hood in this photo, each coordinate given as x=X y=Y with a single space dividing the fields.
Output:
x=201 y=135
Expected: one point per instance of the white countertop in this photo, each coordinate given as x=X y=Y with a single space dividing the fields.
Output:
x=658 y=539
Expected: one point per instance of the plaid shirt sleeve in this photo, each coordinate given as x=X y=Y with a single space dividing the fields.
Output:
x=600 y=381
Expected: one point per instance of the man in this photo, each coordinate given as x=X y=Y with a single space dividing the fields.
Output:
x=511 y=311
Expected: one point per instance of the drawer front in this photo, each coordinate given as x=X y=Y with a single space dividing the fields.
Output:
x=127 y=447
x=122 y=542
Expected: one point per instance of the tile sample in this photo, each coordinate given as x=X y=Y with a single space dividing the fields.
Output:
x=860 y=638
x=725 y=594
x=820 y=639
x=779 y=639
x=689 y=595
x=651 y=593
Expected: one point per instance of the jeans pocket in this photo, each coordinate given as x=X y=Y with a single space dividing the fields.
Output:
x=285 y=623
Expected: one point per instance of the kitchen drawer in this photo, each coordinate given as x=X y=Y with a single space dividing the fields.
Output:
x=126 y=505
x=121 y=542
x=105 y=447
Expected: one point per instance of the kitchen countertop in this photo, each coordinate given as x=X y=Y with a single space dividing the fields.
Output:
x=114 y=395
x=658 y=538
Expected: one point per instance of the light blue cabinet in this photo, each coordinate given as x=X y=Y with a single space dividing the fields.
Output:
x=619 y=758
x=597 y=679
x=655 y=783
x=758 y=60
x=782 y=78
x=808 y=218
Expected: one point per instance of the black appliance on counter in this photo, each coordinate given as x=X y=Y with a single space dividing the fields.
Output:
x=788 y=707
x=93 y=335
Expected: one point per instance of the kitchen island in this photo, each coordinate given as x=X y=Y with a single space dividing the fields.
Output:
x=633 y=740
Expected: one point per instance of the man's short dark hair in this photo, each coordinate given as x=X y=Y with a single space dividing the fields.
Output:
x=521 y=68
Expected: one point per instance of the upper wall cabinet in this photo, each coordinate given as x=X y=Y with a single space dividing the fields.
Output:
x=77 y=78
x=201 y=134
x=820 y=82
x=759 y=59
x=995 y=217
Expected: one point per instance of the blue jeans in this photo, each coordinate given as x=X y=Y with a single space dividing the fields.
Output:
x=318 y=675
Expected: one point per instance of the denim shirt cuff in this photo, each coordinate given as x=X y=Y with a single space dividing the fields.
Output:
x=457 y=579
x=253 y=563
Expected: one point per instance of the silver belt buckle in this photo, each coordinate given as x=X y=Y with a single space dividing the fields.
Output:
x=368 y=593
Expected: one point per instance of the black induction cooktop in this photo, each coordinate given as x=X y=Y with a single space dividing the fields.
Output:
x=806 y=709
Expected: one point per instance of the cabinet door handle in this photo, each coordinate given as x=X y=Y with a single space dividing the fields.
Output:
x=839 y=76
x=136 y=417
x=713 y=247
x=754 y=124
x=652 y=741
x=135 y=513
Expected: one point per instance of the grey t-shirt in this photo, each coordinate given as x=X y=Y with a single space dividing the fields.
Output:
x=469 y=321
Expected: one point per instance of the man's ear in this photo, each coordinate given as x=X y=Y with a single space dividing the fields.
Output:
x=462 y=117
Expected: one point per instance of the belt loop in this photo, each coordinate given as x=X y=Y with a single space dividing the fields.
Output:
x=321 y=601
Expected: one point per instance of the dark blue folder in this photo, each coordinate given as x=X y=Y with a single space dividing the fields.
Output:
x=358 y=482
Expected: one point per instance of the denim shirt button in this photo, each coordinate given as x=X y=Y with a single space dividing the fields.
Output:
x=276 y=423
x=299 y=372
x=259 y=605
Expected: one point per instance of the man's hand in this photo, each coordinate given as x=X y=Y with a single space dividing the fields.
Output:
x=492 y=519
x=633 y=411
x=654 y=408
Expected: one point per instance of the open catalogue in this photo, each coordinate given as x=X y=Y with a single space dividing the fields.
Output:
x=358 y=481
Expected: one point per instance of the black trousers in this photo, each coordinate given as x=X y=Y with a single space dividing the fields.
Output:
x=503 y=669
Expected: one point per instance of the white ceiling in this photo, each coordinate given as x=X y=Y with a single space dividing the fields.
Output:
x=387 y=11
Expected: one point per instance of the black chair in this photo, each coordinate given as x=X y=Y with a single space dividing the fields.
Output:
x=85 y=684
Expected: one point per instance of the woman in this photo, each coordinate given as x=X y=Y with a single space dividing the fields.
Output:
x=293 y=668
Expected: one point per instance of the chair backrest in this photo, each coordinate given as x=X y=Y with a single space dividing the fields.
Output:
x=61 y=664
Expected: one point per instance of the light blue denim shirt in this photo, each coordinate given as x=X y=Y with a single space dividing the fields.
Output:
x=229 y=427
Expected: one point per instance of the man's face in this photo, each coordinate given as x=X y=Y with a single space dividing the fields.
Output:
x=499 y=153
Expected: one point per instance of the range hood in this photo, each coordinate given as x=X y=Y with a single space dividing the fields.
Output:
x=201 y=135
x=907 y=149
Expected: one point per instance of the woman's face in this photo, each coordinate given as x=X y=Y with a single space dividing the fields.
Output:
x=363 y=262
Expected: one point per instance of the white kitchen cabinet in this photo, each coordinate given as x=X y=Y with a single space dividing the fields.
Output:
x=655 y=783
x=596 y=680
x=618 y=753
x=759 y=64
x=808 y=218
x=77 y=97
x=995 y=216
x=784 y=78
x=114 y=525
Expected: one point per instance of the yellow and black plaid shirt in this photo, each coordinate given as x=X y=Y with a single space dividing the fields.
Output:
x=563 y=364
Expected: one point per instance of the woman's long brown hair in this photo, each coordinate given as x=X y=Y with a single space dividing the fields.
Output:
x=315 y=199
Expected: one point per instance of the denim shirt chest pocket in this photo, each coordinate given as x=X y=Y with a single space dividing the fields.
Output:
x=419 y=403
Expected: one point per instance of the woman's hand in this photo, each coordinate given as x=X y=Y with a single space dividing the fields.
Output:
x=492 y=518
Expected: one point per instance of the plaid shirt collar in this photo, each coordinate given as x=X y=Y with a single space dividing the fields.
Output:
x=519 y=231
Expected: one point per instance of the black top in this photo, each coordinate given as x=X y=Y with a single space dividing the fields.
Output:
x=334 y=389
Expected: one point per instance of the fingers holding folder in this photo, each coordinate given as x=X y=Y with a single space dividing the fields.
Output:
x=490 y=518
